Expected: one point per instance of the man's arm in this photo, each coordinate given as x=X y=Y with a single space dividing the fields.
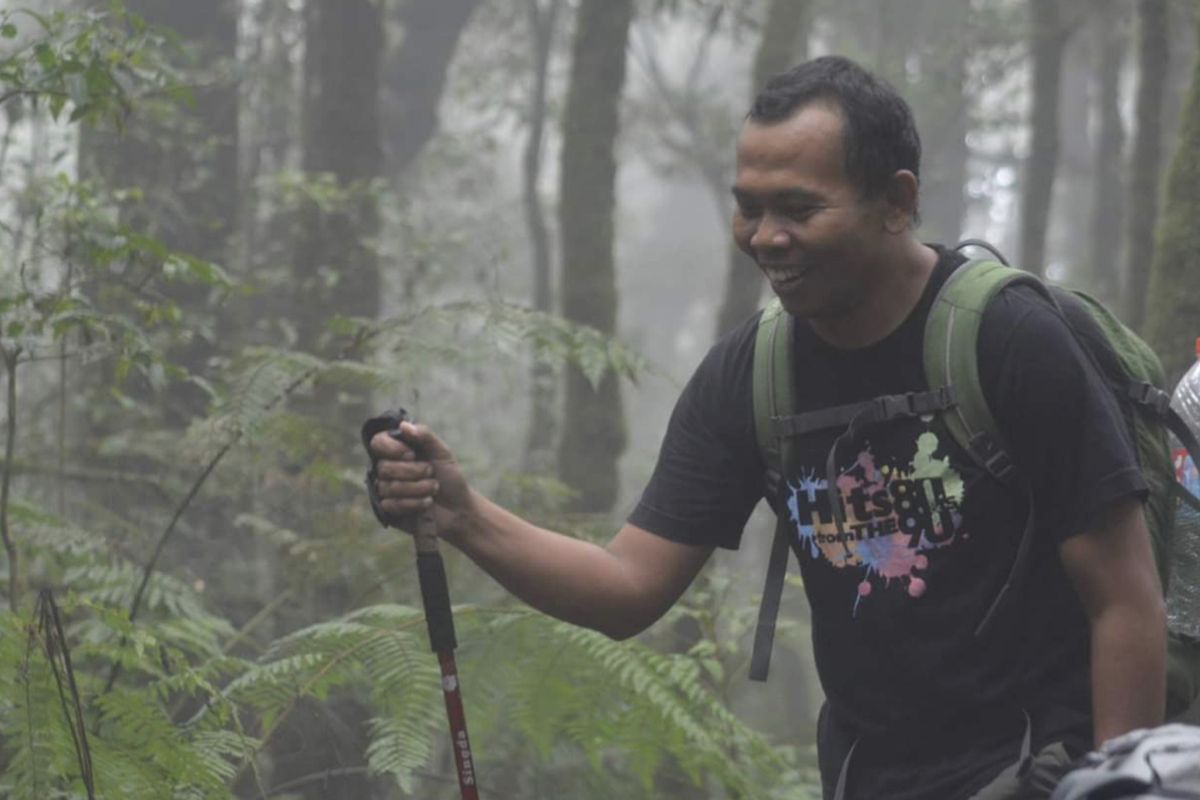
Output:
x=618 y=590
x=1111 y=566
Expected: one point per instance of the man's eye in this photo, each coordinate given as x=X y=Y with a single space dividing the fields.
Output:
x=799 y=213
x=749 y=210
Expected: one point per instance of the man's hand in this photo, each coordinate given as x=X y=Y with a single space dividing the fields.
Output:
x=419 y=473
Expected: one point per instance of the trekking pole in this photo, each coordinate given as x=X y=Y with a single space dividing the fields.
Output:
x=435 y=596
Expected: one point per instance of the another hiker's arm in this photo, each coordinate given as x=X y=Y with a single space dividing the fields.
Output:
x=618 y=590
x=1111 y=566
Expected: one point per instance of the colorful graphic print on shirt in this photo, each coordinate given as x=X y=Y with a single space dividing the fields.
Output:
x=894 y=516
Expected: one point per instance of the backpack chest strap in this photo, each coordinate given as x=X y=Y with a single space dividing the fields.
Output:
x=869 y=412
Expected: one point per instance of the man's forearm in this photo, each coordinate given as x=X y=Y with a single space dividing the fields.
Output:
x=571 y=579
x=1128 y=668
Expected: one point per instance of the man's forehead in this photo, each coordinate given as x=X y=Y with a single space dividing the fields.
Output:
x=815 y=124
x=805 y=149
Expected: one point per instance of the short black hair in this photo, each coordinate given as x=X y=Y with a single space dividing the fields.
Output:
x=879 y=135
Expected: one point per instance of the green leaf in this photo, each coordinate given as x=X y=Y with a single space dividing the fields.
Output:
x=8 y=30
x=45 y=56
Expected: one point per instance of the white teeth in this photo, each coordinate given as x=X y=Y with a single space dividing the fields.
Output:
x=782 y=275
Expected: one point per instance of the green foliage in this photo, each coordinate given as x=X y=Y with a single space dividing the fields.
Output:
x=43 y=307
x=629 y=710
x=192 y=699
x=97 y=63
x=135 y=747
x=571 y=697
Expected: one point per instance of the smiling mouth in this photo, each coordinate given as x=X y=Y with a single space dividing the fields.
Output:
x=783 y=276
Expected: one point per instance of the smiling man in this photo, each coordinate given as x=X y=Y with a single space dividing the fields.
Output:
x=918 y=706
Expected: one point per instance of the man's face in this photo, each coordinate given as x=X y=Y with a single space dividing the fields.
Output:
x=799 y=217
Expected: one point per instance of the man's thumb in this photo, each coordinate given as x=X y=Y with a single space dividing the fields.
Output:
x=428 y=446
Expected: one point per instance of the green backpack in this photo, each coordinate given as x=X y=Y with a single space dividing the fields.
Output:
x=1130 y=367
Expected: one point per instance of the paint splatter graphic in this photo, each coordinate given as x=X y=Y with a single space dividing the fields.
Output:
x=893 y=518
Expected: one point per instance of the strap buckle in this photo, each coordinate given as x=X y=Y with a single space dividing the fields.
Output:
x=1150 y=396
x=914 y=404
x=891 y=406
x=995 y=459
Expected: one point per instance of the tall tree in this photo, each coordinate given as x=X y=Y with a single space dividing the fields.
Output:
x=539 y=444
x=335 y=267
x=184 y=162
x=416 y=74
x=594 y=429
x=1107 y=197
x=942 y=118
x=1047 y=37
x=1145 y=162
x=335 y=271
x=784 y=40
x=1173 y=302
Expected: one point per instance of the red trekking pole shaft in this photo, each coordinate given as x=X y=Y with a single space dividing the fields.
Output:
x=436 y=597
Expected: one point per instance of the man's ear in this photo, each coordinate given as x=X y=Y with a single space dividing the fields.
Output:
x=902 y=199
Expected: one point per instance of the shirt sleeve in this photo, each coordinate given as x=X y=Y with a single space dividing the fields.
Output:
x=709 y=473
x=1064 y=429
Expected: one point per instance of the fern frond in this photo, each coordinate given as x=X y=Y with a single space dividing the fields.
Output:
x=619 y=701
x=399 y=746
x=378 y=643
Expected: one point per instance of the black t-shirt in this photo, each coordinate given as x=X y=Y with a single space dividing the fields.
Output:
x=928 y=542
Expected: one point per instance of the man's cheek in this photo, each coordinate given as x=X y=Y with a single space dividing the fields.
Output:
x=743 y=232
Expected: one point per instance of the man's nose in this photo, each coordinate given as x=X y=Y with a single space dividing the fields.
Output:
x=769 y=235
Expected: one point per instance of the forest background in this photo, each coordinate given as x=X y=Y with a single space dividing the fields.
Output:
x=234 y=230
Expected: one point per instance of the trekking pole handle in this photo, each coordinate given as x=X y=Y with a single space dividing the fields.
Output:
x=431 y=570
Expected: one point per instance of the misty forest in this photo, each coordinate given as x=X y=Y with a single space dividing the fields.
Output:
x=235 y=229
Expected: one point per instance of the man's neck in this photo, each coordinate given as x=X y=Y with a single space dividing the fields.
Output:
x=887 y=303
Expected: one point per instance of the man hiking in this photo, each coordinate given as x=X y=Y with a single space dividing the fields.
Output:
x=917 y=704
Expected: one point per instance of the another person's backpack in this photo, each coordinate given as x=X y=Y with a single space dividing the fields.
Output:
x=1141 y=765
x=1130 y=367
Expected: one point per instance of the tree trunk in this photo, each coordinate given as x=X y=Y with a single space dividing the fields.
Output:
x=416 y=74
x=1146 y=161
x=1067 y=248
x=943 y=125
x=1181 y=44
x=539 y=444
x=335 y=269
x=784 y=40
x=1173 y=304
x=186 y=165
x=1047 y=42
x=1107 y=194
x=209 y=197
x=594 y=429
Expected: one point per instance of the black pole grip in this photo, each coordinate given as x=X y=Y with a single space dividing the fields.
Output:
x=436 y=595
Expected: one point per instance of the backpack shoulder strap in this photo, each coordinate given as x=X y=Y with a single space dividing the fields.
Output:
x=774 y=396
x=952 y=357
x=774 y=385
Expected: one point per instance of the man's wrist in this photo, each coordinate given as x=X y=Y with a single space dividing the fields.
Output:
x=466 y=525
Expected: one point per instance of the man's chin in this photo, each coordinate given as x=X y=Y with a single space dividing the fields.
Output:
x=798 y=305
